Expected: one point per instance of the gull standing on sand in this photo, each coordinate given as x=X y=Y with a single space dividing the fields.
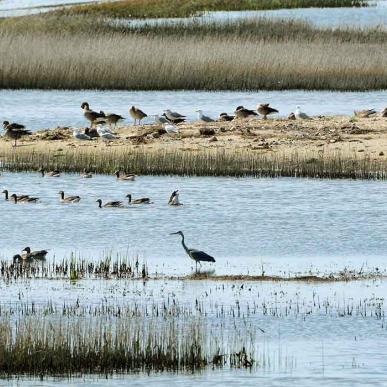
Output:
x=174 y=117
x=160 y=120
x=137 y=114
x=204 y=118
x=264 y=110
x=301 y=115
x=80 y=136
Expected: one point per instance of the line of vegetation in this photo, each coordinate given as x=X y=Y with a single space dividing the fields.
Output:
x=40 y=346
x=205 y=163
x=185 y=8
x=107 y=61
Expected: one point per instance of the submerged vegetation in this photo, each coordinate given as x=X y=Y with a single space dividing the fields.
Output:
x=185 y=8
x=206 y=163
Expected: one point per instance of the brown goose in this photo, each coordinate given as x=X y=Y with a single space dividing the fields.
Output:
x=117 y=204
x=24 y=200
x=241 y=112
x=68 y=199
x=264 y=110
x=15 y=131
x=54 y=173
x=384 y=112
x=18 y=197
x=138 y=201
x=225 y=117
x=39 y=255
x=137 y=114
x=91 y=115
x=129 y=177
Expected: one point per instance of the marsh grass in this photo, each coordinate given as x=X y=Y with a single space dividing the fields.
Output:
x=184 y=8
x=204 y=163
x=56 y=51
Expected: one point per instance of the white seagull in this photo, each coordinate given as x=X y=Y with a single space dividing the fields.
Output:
x=171 y=129
x=203 y=118
x=80 y=136
x=301 y=115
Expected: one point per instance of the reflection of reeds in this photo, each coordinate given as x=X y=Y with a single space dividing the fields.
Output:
x=206 y=163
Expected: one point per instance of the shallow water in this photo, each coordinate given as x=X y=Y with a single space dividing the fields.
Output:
x=372 y=16
x=284 y=225
x=39 y=109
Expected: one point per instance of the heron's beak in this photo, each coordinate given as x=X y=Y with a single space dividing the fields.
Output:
x=173 y=233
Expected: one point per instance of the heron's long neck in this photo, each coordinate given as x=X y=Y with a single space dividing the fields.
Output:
x=183 y=243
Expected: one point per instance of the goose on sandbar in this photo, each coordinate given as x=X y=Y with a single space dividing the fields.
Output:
x=91 y=115
x=301 y=115
x=129 y=177
x=39 y=255
x=54 y=173
x=225 y=117
x=68 y=199
x=204 y=118
x=264 y=110
x=138 y=201
x=28 y=199
x=242 y=112
x=116 y=204
x=174 y=199
x=15 y=131
x=137 y=114
x=18 y=197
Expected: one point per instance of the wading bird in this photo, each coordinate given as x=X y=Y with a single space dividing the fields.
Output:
x=15 y=131
x=197 y=255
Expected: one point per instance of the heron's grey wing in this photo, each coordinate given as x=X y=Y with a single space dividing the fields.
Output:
x=201 y=256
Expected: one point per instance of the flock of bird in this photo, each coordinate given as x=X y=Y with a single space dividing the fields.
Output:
x=102 y=124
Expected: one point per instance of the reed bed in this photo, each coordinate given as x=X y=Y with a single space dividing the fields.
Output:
x=158 y=63
x=204 y=163
x=184 y=8
x=41 y=347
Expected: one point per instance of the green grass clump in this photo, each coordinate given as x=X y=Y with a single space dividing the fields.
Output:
x=185 y=8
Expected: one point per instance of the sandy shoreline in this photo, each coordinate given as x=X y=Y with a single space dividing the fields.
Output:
x=325 y=138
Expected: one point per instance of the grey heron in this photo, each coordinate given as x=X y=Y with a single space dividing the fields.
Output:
x=264 y=110
x=197 y=255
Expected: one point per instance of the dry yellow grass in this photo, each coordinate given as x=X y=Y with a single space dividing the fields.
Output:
x=111 y=61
